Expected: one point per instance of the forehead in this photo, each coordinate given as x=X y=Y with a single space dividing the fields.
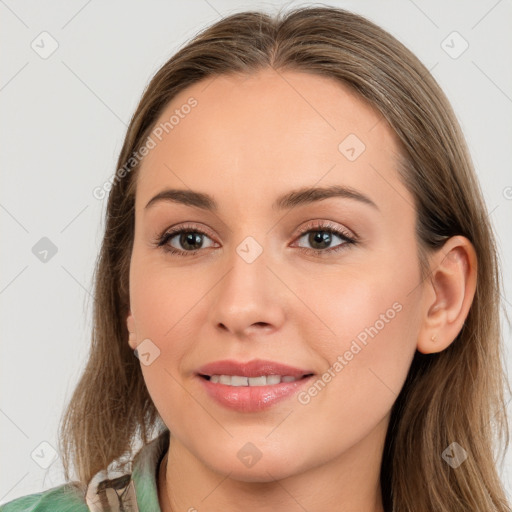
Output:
x=251 y=137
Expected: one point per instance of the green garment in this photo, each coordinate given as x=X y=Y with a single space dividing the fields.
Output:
x=133 y=492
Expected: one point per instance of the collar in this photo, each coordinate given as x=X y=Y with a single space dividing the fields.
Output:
x=133 y=492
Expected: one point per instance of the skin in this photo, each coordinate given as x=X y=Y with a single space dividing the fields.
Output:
x=249 y=140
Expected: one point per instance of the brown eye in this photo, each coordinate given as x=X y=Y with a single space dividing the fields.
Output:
x=190 y=240
x=184 y=240
x=323 y=237
x=319 y=239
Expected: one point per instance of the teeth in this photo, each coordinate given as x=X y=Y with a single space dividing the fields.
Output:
x=257 y=381
x=273 y=379
x=224 y=379
x=238 y=381
x=263 y=380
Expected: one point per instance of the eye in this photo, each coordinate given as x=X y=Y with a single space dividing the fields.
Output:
x=321 y=236
x=188 y=238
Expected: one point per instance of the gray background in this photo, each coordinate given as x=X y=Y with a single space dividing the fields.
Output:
x=63 y=121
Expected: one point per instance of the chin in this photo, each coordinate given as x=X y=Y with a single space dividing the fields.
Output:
x=262 y=471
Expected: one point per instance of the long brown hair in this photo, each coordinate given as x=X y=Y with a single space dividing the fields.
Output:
x=456 y=395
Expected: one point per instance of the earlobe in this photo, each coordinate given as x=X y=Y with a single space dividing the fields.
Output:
x=130 y=323
x=449 y=293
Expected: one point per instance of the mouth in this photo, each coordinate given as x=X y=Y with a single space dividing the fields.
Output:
x=258 y=381
x=253 y=386
x=258 y=372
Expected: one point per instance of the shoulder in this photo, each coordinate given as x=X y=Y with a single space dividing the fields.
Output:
x=106 y=491
x=67 y=497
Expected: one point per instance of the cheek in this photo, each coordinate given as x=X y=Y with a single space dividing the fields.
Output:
x=163 y=308
x=167 y=307
x=161 y=298
x=368 y=319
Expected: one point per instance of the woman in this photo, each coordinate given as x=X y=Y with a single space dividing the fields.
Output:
x=297 y=295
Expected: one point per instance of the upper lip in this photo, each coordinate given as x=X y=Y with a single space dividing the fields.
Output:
x=253 y=368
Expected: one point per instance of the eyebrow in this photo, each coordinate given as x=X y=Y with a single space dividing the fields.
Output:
x=289 y=200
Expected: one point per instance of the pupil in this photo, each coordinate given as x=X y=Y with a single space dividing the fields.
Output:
x=319 y=237
x=189 y=239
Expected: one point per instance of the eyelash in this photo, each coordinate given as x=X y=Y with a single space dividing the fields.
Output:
x=328 y=227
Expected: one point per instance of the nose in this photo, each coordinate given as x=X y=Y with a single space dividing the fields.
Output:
x=249 y=299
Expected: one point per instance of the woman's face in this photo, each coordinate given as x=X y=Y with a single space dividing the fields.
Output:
x=268 y=280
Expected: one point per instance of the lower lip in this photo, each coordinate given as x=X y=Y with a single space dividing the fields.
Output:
x=252 y=398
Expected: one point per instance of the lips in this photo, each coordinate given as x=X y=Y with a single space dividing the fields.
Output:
x=240 y=387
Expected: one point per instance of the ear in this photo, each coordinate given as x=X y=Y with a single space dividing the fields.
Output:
x=448 y=292
x=130 y=323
